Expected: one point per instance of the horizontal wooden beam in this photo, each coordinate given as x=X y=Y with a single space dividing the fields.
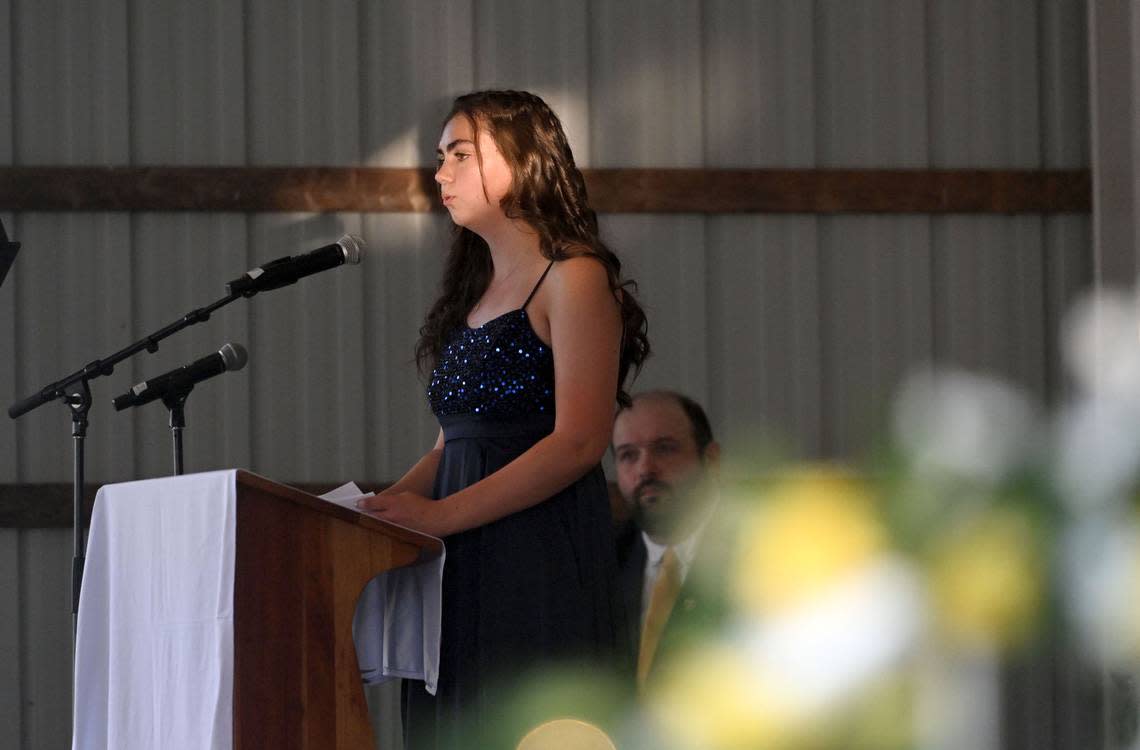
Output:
x=48 y=505
x=698 y=191
x=825 y=191
x=39 y=506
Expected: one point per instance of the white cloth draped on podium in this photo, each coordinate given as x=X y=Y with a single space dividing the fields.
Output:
x=154 y=650
x=154 y=658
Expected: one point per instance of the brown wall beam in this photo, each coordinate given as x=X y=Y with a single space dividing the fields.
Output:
x=39 y=506
x=701 y=191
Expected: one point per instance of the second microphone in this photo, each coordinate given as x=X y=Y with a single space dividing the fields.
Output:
x=229 y=357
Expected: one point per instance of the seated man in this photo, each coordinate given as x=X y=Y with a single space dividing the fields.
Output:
x=665 y=456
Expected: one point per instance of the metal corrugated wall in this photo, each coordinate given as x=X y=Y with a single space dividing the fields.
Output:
x=798 y=324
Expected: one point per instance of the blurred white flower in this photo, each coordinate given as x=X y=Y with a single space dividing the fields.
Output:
x=1101 y=342
x=824 y=651
x=1096 y=454
x=781 y=681
x=1101 y=569
x=959 y=424
x=811 y=528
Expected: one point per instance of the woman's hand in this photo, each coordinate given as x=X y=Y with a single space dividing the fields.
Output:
x=409 y=509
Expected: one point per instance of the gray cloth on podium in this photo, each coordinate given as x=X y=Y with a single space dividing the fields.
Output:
x=396 y=625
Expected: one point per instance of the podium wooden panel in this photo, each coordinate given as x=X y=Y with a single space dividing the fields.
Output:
x=301 y=564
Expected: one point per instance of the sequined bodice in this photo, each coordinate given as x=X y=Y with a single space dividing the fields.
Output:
x=500 y=369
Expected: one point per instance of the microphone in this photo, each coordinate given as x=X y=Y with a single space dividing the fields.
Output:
x=285 y=271
x=229 y=357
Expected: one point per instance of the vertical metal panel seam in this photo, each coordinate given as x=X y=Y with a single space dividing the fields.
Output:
x=932 y=224
x=63 y=44
x=17 y=344
x=818 y=67
x=473 y=26
x=299 y=102
x=712 y=394
x=22 y=629
x=1056 y=229
x=704 y=219
x=303 y=372
x=589 y=94
x=245 y=222
x=588 y=82
x=1050 y=348
x=1044 y=126
x=14 y=101
x=132 y=138
x=135 y=425
x=702 y=60
x=359 y=330
x=245 y=67
x=248 y=227
x=371 y=398
x=826 y=431
x=361 y=89
x=1095 y=229
x=16 y=282
x=969 y=24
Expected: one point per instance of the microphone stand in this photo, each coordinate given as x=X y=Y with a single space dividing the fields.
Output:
x=79 y=404
x=175 y=401
x=75 y=391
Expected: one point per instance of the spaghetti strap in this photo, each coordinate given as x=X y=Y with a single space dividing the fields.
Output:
x=537 y=285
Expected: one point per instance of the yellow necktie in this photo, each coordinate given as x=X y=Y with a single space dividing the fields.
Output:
x=665 y=588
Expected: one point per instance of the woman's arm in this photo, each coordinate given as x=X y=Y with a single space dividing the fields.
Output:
x=420 y=478
x=585 y=336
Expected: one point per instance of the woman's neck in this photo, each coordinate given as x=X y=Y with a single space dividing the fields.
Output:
x=514 y=245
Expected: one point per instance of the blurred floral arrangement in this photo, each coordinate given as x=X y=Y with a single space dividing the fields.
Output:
x=861 y=607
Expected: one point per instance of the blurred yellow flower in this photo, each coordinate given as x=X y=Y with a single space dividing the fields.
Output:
x=813 y=528
x=712 y=698
x=987 y=579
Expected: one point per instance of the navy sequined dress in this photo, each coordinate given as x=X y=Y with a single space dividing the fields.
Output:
x=535 y=588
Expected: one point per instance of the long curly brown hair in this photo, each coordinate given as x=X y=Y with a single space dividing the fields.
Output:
x=548 y=193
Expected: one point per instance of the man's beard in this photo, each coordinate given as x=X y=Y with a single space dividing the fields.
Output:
x=665 y=514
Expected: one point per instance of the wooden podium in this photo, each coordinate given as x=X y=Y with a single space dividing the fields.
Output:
x=301 y=562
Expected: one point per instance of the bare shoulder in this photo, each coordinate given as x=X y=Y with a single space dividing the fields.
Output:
x=581 y=294
x=580 y=274
x=577 y=288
